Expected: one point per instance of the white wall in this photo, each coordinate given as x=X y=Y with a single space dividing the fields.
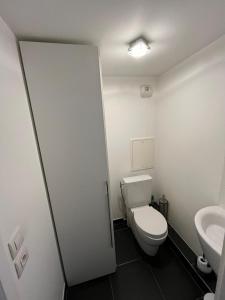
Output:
x=7 y=283
x=127 y=116
x=190 y=127
x=23 y=199
x=222 y=188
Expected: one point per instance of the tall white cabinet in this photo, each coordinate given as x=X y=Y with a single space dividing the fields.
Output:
x=64 y=89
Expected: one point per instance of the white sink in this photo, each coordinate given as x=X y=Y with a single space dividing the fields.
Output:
x=210 y=225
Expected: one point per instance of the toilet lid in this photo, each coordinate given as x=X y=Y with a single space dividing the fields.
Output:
x=150 y=221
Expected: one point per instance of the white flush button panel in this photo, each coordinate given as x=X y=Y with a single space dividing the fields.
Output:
x=142 y=153
x=15 y=243
x=146 y=91
x=21 y=261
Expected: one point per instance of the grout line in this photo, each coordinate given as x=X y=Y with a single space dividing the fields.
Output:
x=129 y=262
x=111 y=286
x=178 y=249
x=175 y=251
x=157 y=283
x=188 y=271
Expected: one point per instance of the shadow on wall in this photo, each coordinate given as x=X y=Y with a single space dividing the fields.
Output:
x=200 y=62
x=2 y=293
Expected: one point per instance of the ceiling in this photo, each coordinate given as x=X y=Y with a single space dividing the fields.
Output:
x=176 y=28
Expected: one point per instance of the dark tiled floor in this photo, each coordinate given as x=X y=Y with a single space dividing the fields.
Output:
x=134 y=281
x=174 y=280
x=95 y=289
x=207 y=281
x=126 y=246
x=140 y=277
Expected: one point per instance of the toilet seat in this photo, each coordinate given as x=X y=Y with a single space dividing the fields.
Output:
x=150 y=222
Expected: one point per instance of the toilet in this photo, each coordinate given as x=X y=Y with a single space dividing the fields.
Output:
x=148 y=225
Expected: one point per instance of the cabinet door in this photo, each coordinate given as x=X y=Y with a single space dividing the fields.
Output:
x=65 y=95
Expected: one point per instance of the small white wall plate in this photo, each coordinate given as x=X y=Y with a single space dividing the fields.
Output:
x=21 y=261
x=15 y=243
x=146 y=91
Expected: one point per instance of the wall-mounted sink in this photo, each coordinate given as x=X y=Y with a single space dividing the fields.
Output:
x=210 y=225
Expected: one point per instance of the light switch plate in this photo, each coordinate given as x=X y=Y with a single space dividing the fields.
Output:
x=19 y=268
x=21 y=261
x=23 y=256
x=15 y=243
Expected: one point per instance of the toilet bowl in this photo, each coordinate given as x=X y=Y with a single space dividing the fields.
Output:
x=149 y=227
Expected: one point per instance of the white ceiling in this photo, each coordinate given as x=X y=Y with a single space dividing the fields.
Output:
x=176 y=28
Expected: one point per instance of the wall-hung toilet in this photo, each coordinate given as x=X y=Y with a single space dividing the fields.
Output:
x=148 y=225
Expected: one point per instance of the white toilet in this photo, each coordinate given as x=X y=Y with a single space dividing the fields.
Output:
x=148 y=225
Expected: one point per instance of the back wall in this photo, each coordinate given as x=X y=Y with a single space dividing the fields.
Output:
x=127 y=116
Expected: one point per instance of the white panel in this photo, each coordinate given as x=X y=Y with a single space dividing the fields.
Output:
x=142 y=153
x=65 y=92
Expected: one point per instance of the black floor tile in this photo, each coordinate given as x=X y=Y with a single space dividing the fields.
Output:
x=98 y=289
x=207 y=281
x=126 y=246
x=119 y=224
x=141 y=277
x=134 y=281
x=173 y=278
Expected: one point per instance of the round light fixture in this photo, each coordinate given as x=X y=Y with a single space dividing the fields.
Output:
x=138 y=48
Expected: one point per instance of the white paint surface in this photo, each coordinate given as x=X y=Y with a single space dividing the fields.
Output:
x=176 y=29
x=23 y=199
x=127 y=116
x=191 y=137
x=222 y=188
x=7 y=281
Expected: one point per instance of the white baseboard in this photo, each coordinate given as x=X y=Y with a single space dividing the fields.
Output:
x=64 y=291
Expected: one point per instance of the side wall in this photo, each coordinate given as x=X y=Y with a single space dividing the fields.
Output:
x=127 y=116
x=23 y=199
x=190 y=135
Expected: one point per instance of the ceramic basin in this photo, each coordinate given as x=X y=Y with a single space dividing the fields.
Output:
x=210 y=225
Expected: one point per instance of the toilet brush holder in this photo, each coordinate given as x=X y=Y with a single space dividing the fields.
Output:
x=203 y=265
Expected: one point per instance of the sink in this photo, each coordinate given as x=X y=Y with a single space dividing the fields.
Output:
x=210 y=225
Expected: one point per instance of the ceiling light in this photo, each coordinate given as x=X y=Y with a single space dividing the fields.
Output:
x=139 y=48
